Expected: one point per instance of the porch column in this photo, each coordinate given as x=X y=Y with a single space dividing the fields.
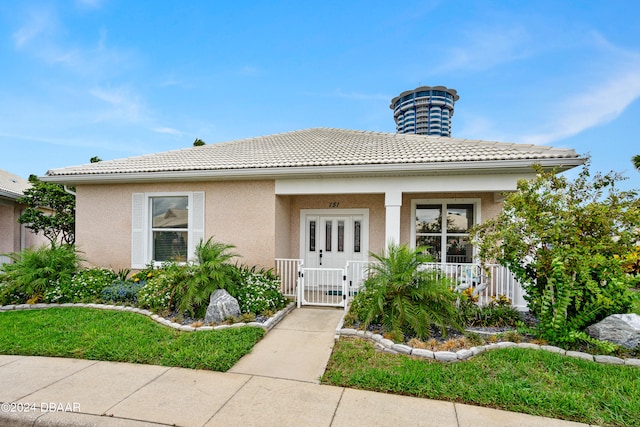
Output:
x=392 y=203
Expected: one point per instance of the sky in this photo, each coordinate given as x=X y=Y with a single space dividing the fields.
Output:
x=120 y=78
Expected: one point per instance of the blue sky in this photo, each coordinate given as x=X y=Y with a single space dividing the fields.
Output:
x=117 y=78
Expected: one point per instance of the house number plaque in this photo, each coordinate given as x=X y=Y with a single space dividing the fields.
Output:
x=334 y=204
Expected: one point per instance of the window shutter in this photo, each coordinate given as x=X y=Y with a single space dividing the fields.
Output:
x=196 y=226
x=137 y=231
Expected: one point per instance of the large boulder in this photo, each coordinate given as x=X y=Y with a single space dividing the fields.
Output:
x=221 y=306
x=622 y=329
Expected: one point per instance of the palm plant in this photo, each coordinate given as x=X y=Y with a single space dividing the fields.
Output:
x=34 y=270
x=408 y=298
x=212 y=271
x=636 y=161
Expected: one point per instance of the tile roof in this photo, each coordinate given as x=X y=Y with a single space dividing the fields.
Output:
x=11 y=185
x=318 y=147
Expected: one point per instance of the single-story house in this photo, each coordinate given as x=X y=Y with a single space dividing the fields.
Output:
x=323 y=196
x=14 y=236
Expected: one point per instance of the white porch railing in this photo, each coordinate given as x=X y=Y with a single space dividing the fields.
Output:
x=321 y=286
x=5 y=260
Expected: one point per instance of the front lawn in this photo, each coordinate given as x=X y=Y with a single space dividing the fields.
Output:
x=117 y=336
x=521 y=380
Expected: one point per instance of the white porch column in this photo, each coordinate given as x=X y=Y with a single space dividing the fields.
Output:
x=392 y=203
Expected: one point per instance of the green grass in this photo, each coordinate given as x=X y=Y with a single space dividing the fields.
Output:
x=519 y=380
x=94 y=334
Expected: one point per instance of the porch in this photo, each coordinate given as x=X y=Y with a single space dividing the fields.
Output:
x=336 y=287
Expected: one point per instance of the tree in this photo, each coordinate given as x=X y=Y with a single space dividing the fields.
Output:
x=636 y=161
x=57 y=225
x=563 y=241
x=95 y=159
x=198 y=142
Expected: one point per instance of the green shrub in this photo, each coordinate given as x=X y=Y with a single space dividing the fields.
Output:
x=159 y=287
x=125 y=291
x=407 y=298
x=259 y=291
x=211 y=272
x=498 y=313
x=84 y=286
x=34 y=271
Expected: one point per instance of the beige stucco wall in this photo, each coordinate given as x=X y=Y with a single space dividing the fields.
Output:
x=241 y=213
x=11 y=231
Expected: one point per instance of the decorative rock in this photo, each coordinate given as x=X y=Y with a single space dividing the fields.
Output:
x=464 y=354
x=361 y=334
x=387 y=343
x=579 y=355
x=221 y=306
x=422 y=352
x=389 y=350
x=9 y=307
x=477 y=350
x=632 y=362
x=529 y=345
x=348 y=332
x=401 y=348
x=205 y=328
x=221 y=327
x=553 y=349
x=377 y=337
x=258 y=324
x=621 y=329
x=609 y=360
x=445 y=356
x=506 y=344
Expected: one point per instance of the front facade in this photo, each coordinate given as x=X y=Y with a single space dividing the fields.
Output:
x=325 y=197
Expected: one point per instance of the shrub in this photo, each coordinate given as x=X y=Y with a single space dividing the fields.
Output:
x=85 y=286
x=211 y=272
x=159 y=287
x=33 y=271
x=406 y=298
x=498 y=313
x=564 y=240
x=121 y=291
x=259 y=291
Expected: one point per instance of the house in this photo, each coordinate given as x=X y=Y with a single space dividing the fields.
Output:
x=327 y=197
x=14 y=236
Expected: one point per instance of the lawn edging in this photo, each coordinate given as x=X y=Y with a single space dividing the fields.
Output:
x=267 y=325
x=389 y=346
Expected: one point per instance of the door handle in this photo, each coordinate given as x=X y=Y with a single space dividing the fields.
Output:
x=320 y=256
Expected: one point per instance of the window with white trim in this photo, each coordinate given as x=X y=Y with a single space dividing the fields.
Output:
x=166 y=227
x=443 y=228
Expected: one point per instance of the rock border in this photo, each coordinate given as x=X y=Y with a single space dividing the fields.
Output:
x=267 y=326
x=388 y=346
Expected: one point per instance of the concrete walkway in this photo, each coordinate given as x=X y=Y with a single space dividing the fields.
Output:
x=275 y=385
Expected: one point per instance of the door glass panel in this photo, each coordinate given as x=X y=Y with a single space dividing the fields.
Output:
x=356 y=236
x=459 y=218
x=428 y=218
x=312 y=236
x=340 y=236
x=327 y=243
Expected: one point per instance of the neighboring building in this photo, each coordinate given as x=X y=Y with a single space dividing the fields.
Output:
x=424 y=111
x=14 y=236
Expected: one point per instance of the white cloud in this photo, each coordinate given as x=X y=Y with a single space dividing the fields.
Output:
x=124 y=103
x=484 y=48
x=39 y=22
x=167 y=130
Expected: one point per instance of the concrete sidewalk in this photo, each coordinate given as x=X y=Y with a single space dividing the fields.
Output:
x=42 y=391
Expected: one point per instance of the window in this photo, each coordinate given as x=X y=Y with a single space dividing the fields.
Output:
x=443 y=228
x=166 y=227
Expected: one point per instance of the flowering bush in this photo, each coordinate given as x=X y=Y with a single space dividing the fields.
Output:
x=259 y=292
x=159 y=286
x=84 y=286
x=121 y=291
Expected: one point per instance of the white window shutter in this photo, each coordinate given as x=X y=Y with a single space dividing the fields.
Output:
x=196 y=226
x=137 y=231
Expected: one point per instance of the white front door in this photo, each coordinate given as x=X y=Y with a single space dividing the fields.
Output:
x=330 y=238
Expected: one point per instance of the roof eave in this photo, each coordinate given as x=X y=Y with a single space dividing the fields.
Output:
x=494 y=166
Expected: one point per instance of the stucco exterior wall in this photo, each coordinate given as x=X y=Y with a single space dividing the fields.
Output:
x=241 y=213
x=13 y=236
